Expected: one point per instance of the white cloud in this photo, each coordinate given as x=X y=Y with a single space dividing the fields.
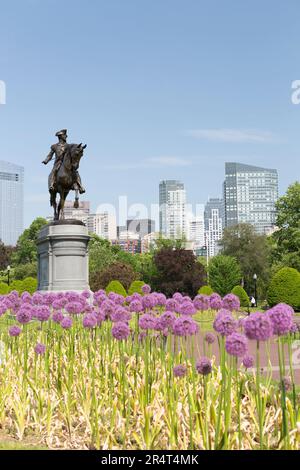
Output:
x=154 y=162
x=231 y=135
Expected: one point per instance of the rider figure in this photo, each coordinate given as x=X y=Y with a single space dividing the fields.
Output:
x=59 y=151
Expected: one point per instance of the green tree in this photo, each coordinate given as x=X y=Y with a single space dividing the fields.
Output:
x=224 y=274
x=240 y=292
x=26 y=250
x=286 y=240
x=146 y=267
x=101 y=254
x=285 y=287
x=252 y=252
x=114 y=272
x=22 y=271
x=5 y=255
x=205 y=290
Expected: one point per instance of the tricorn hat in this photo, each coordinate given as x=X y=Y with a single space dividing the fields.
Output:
x=62 y=132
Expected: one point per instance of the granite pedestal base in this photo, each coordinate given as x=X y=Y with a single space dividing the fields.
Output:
x=63 y=256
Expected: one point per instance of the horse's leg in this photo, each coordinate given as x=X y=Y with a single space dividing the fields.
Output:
x=53 y=203
x=76 y=202
x=59 y=205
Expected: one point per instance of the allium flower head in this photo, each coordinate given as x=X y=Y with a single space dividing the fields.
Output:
x=204 y=366
x=201 y=302
x=42 y=313
x=147 y=322
x=40 y=349
x=120 y=331
x=236 y=344
x=37 y=298
x=161 y=299
x=89 y=320
x=14 y=331
x=248 y=361
x=258 y=326
x=148 y=301
x=146 y=289
x=231 y=302
x=187 y=308
x=171 y=305
x=26 y=297
x=167 y=320
x=224 y=323
x=210 y=338
x=281 y=317
x=180 y=370
x=24 y=315
x=120 y=314
x=185 y=326
x=74 y=307
x=177 y=296
x=136 y=306
x=215 y=301
x=57 y=316
x=66 y=323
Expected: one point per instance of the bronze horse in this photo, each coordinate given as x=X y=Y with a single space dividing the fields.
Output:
x=66 y=179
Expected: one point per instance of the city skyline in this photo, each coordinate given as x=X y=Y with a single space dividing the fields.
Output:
x=149 y=106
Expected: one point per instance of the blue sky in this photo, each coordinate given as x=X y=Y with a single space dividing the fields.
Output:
x=156 y=88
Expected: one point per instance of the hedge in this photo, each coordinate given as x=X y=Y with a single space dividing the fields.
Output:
x=117 y=287
x=240 y=292
x=136 y=287
x=285 y=287
x=205 y=290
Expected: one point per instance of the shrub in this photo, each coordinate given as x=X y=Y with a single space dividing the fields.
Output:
x=29 y=284
x=285 y=287
x=117 y=287
x=16 y=285
x=205 y=290
x=115 y=272
x=136 y=286
x=4 y=289
x=240 y=292
x=224 y=274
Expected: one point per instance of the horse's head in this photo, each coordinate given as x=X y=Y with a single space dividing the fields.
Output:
x=76 y=154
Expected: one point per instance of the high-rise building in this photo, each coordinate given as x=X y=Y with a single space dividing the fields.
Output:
x=11 y=202
x=172 y=209
x=196 y=230
x=250 y=194
x=141 y=226
x=103 y=224
x=81 y=213
x=213 y=221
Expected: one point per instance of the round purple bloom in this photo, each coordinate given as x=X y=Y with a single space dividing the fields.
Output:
x=86 y=294
x=185 y=326
x=224 y=323
x=177 y=296
x=66 y=323
x=231 y=302
x=73 y=307
x=248 y=361
x=120 y=331
x=258 y=326
x=210 y=338
x=14 y=331
x=236 y=345
x=89 y=320
x=215 y=301
x=108 y=307
x=26 y=297
x=201 y=302
x=136 y=306
x=281 y=317
x=42 y=313
x=24 y=315
x=40 y=349
x=204 y=366
x=171 y=305
x=161 y=299
x=148 y=301
x=180 y=370
x=3 y=308
x=294 y=328
x=147 y=322
x=120 y=315
x=187 y=308
x=146 y=289
x=57 y=316
x=167 y=320
x=37 y=298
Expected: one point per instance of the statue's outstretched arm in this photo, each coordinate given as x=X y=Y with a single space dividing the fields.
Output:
x=49 y=156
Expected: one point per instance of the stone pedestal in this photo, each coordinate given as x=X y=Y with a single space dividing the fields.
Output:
x=63 y=256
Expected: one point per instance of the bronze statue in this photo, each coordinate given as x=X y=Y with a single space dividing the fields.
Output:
x=64 y=176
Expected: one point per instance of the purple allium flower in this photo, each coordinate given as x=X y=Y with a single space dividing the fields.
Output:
x=148 y=301
x=248 y=361
x=201 y=302
x=187 y=308
x=147 y=322
x=178 y=297
x=231 y=302
x=146 y=289
x=40 y=349
x=3 y=308
x=26 y=297
x=281 y=317
x=37 y=298
x=86 y=294
x=294 y=328
x=161 y=299
x=66 y=323
x=108 y=307
x=167 y=320
x=215 y=301
x=42 y=313
x=120 y=314
x=224 y=323
x=136 y=306
x=24 y=315
x=89 y=320
x=185 y=326
x=236 y=344
x=120 y=331
x=57 y=316
x=73 y=307
x=171 y=305
x=210 y=338
x=14 y=331
x=180 y=370
x=204 y=366
x=258 y=326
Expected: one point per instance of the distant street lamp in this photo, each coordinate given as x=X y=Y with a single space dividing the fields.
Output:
x=8 y=273
x=255 y=288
